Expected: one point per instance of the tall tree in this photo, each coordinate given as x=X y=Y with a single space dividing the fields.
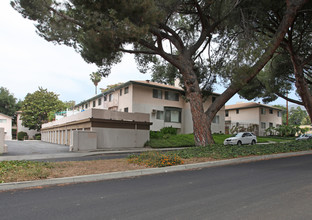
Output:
x=178 y=31
x=37 y=106
x=8 y=103
x=96 y=77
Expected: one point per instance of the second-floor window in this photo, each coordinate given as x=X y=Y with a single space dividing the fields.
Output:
x=86 y=106
x=120 y=92
x=226 y=113
x=99 y=101
x=262 y=111
x=110 y=97
x=93 y=104
x=237 y=111
x=126 y=109
x=279 y=114
x=105 y=98
x=271 y=111
x=160 y=115
x=126 y=90
x=173 y=96
x=157 y=94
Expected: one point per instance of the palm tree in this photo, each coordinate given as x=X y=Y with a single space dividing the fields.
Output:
x=95 y=78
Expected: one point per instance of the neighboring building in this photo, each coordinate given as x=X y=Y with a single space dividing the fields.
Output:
x=252 y=116
x=6 y=123
x=20 y=127
x=165 y=104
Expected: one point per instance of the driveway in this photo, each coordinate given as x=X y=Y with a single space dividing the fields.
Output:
x=34 y=147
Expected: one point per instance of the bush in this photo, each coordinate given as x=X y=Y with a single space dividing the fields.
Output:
x=22 y=136
x=168 y=130
x=38 y=136
x=155 y=159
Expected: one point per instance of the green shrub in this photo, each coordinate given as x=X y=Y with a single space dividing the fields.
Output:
x=155 y=159
x=22 y=136
x=38 y=136
x=169 y=130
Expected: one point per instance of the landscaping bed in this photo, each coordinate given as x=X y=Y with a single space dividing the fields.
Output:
x=13 y=171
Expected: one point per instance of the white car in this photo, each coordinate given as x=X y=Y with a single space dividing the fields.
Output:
x=241 y=138
x=304 y=137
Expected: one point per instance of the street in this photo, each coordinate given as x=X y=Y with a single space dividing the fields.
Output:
x=270 y=189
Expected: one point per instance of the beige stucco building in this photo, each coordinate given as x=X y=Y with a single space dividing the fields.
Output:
x=256 y=115
x=20 y=127
x=165 y=105
x=6 y=123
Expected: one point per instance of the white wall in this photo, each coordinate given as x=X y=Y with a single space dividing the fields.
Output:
x=6 y=123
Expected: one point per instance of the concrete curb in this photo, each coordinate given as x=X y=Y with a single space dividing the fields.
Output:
x=148 y=171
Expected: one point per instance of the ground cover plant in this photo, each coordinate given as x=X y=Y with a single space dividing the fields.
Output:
x=165 y=140
x=155 y=159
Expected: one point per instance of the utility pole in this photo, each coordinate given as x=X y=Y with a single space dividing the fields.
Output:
x=287 y=109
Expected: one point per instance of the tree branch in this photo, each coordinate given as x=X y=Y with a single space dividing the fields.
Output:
x=289 y=99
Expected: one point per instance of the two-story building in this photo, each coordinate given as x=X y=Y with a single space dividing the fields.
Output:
x=165 y=104
x=255 y=116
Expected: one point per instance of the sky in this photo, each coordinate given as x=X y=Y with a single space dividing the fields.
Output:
x=27 y=62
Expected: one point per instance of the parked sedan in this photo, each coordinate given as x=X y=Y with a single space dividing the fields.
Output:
x=241 y=138
x=304 y=137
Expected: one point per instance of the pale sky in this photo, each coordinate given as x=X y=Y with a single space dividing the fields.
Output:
x=27 y=61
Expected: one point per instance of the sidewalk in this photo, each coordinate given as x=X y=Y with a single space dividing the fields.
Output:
x=135 y=173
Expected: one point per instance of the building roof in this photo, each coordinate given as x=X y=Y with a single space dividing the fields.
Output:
x=5 y=115
x=248 y=105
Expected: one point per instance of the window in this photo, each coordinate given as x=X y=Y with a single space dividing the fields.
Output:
x=126 y=90
x=86 y=105
x=226 y=113
x=105 y=98
x=213 y=98
x=173 y=114
x=93 y=103
x=126 y=109
x=237 y=111
x=174 y=96
x=270 y=125
x=216 y=119
x=262 y=111
x=157 y=94
x=3 y=120
x=120 y=92
x=99 y=101
x=110 y=96
x=263 y=125
x=271 y=111
x=160 y=115
x=279 y=114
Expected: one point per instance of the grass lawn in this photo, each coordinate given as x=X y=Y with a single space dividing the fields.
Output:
x=187 y=140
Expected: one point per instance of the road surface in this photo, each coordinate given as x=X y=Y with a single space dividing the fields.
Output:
x=272 y=189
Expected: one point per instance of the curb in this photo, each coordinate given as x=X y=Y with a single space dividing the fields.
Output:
x=141 y=172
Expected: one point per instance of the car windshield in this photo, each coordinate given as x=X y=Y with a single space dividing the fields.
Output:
x=238 y=135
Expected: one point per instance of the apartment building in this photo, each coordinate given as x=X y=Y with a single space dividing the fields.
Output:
x=252 y=115
x=165 y=104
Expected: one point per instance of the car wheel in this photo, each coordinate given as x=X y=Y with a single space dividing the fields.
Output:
x=253 y=142
x=239 y=143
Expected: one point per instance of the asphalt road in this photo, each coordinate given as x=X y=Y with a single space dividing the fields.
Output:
x=273 y=189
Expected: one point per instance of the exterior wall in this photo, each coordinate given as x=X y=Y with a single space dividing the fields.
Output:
x=144 y=102
x=108 y=138
x=7 y=125
x=20 y=127
x=268 y=118
x=245 y=116
x=254 y=116
x=113 y=129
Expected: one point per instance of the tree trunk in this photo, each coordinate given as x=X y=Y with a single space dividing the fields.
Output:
x=292 y=7
x=201 y=128
x=301 y=84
